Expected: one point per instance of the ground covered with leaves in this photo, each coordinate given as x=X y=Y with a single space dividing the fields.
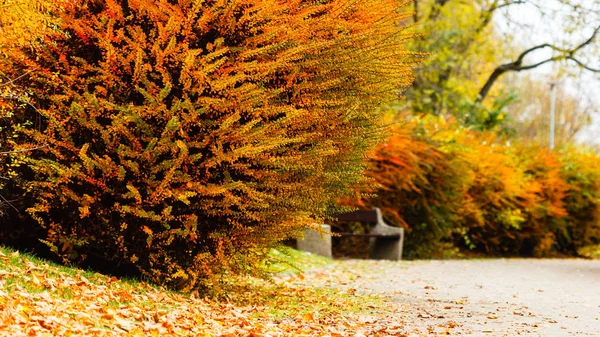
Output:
x=38 y=298
x=476 y=297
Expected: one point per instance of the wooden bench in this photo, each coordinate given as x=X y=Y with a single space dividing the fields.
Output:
x=385 y=241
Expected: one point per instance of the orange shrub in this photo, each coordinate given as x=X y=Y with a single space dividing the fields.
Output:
x=519 y=193
x=581 y=170
x=444 y=183
x=185 y=137
x=419 y=187
x=546 y=214
x=494 y=194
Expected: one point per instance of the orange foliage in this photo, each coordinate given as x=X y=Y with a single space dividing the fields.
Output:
x=444 y=184
x=418 y=186
x=581 y=171
x=184 y=137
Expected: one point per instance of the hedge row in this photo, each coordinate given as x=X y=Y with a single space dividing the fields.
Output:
x=453 y=187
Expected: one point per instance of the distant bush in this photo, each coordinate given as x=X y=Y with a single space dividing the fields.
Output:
x=495 y=195
x=185 y=137
x=581 y=170
x=545 y=212
x=419 y=188
x=450 y=186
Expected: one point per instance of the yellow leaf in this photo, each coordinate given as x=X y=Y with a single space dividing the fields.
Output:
x=35 y=280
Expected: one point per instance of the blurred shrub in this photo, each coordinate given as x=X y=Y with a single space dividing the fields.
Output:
x=452 y=186
x=494 y=195
x=581 y=170
x=418 y=187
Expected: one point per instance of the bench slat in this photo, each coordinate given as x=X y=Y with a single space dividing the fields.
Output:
x=368 y=216
x=371 y=235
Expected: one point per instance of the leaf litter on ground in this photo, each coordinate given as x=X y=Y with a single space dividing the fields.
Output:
x=38 y=298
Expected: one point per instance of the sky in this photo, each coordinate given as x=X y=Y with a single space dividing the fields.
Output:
x=546 y=21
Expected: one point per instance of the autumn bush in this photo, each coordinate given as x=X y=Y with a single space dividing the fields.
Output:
x=556 y=208
x=581 y=170
x=22 y=23
x=546 y=216
x=493 y=194
x=516 y=196
x=185 y=137
x=551 y=208
x=418 y=186
x=453 y=187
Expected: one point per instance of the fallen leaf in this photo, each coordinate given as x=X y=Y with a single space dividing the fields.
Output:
x=308 y=317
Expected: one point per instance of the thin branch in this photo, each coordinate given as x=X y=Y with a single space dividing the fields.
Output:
x=9 y=204
x=582 y=65
x=510 y=3
x=517 y=65
x=17 y=98
x=530 y=50
x=535 y=65
x=18 y=78
x=26 y=150
x=588 y=41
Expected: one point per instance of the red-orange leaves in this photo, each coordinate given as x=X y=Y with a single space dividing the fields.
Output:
x=419 y=188
x=446 y=184
x=218 y=126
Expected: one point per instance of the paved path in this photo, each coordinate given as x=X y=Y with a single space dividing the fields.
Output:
x=500 y=297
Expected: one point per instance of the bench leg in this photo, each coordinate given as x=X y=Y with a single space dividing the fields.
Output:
x=315 y=242
x=385 y=249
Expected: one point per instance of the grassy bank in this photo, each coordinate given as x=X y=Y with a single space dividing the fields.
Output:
x=40 y=298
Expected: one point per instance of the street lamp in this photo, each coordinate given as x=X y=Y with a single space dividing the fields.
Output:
x=552 y=113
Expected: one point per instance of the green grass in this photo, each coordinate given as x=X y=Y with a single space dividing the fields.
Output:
x=34 y=275
x=592 y=252
x=282 y=299
x=288 y=260
x=33 y=287
x=19 y=260
x=283 y=303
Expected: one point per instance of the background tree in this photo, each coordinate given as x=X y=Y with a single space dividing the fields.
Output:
x=568 y=36
x=475 y=43
x=464 y=47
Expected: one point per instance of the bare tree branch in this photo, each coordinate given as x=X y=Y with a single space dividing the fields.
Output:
x=8 y=203
x=582 y=65
x=14 y=97
x=517 y=65
x=510 y=3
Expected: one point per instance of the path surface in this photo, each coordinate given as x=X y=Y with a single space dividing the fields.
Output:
x=503 y=297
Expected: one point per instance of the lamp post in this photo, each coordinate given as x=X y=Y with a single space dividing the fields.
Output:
x=552 y=113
